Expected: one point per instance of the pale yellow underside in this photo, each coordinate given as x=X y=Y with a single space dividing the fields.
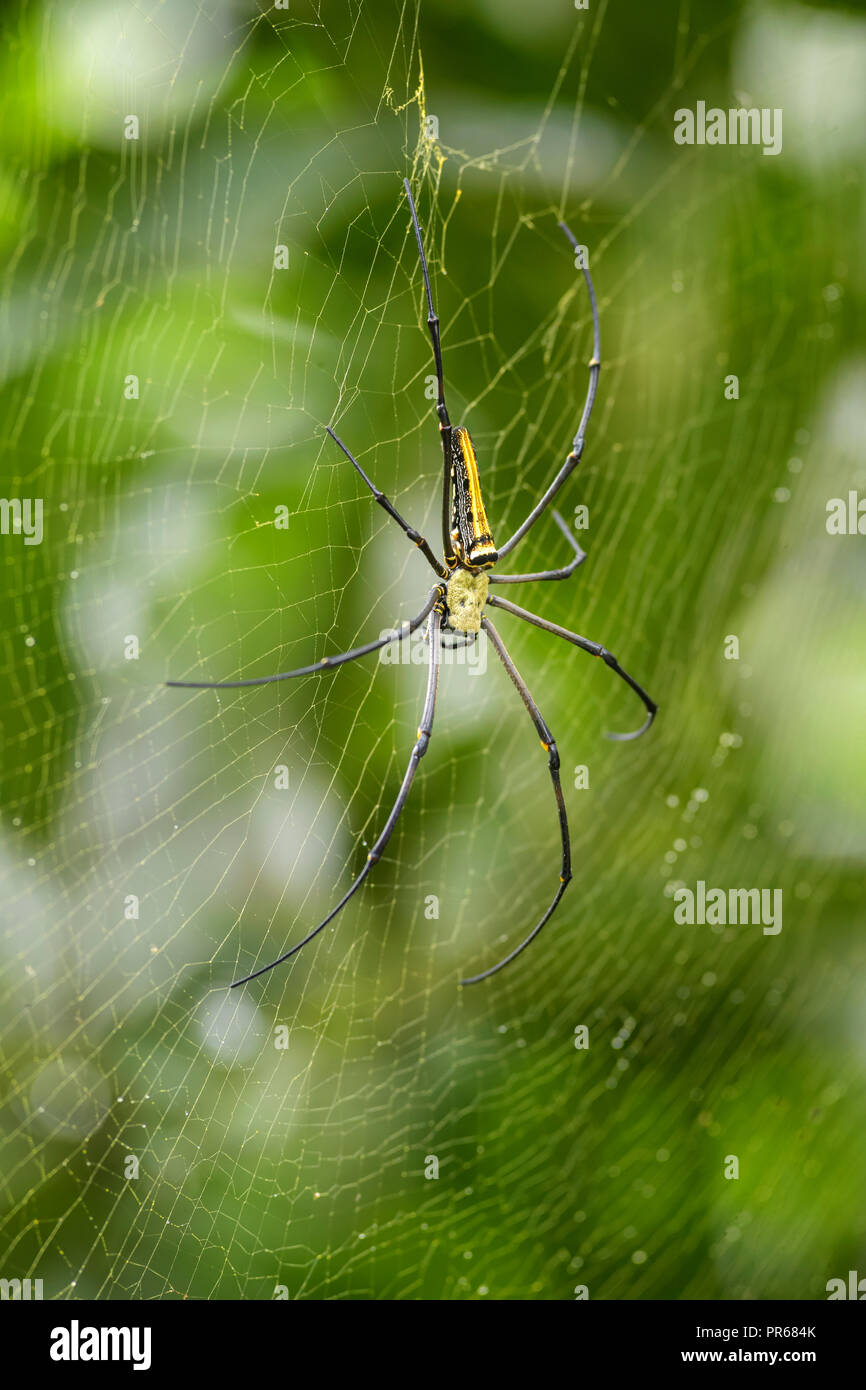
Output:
x=466 y=596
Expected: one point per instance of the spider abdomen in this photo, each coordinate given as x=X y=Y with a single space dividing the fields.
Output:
x=470 y=527
x=465 y=597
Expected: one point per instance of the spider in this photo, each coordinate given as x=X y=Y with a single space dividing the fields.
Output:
x=457 y=602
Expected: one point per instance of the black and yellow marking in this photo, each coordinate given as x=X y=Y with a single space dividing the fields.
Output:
x=470 y=527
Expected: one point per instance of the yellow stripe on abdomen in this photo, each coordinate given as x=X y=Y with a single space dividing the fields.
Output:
x=478 y=543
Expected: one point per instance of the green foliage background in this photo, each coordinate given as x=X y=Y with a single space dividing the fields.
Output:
x=304 y=1167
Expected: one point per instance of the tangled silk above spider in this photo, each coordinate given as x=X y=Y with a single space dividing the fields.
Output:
x=458 y=602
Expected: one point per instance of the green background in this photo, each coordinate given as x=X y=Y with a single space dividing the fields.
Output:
x=157 y=1141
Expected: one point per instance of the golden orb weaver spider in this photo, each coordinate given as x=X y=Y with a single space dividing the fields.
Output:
x=457 y=601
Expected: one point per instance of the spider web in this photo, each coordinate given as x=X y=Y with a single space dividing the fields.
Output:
x=163 y=1137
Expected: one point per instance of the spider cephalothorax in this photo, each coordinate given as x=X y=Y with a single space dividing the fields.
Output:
x=465 y=597
x=456 y=603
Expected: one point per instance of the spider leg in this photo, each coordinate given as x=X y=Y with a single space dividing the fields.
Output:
x=425 y=729
x=441 y=408
x=392 y=510
x=327 y=663
x=594 y=649
x=549 y=746
x=577 y=447
x=564 y=573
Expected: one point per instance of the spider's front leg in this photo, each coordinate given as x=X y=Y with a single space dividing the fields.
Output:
x=594 y=649
x=549 y=746
x=425 y=729
x=564 y=573
x=327 y=663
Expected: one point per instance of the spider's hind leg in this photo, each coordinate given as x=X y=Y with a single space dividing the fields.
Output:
x=441 y=408
x=576 y=453
x=564 y=573
x=388 y=506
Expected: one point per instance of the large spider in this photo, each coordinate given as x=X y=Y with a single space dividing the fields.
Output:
x=457 y=601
